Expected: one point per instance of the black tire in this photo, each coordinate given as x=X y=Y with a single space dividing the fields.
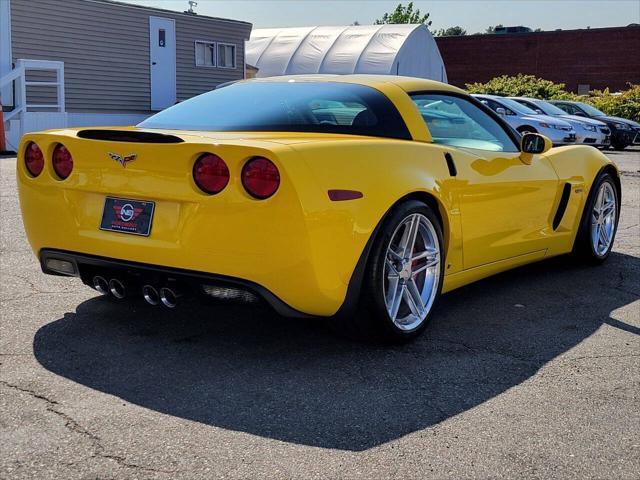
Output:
x=371 y=320
x=583 y=248
x=618 y=146
x=526 y=129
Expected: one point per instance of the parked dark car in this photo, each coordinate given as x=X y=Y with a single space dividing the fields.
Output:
x=623 y=132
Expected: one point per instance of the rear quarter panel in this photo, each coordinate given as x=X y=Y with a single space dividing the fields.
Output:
x=385 y=171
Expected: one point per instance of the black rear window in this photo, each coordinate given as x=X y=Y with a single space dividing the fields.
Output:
x=323 y=107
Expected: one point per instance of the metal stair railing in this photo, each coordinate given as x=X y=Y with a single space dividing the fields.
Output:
x=18 y=78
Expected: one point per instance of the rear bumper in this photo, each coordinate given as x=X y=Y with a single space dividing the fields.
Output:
x=279 y=261
x=304 y=256
x=135 y=275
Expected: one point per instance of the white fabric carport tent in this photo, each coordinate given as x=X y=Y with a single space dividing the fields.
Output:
x=369 y=49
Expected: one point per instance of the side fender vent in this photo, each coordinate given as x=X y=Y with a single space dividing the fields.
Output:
x=451 y=165
x=133 y=136
x=562 y=206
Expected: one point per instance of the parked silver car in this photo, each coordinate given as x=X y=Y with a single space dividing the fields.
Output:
x=524 y=120
x=588 y=131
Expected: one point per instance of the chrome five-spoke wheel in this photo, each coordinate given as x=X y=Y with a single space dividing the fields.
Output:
x=411 y=271
x=603 y=219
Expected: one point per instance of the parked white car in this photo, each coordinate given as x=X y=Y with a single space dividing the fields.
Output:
x=588 y=131
x=524 y=120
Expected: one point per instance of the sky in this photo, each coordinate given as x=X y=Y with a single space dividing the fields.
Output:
x=472 y=15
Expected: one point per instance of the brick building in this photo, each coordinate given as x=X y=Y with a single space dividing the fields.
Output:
x=582 y=59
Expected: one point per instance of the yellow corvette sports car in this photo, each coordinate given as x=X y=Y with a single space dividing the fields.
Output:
x=360 y=198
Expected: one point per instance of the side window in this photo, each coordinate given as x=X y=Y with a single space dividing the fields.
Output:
x=532 y=106
x=506 y=109
x=493 y=105
x=488 y=103
x=567 y=107
x=330 y=112
x=576 y=110
x=226 y=55
x=205 y=54
x=457 y=122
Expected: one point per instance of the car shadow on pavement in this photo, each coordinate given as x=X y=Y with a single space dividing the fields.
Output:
x=248 y=370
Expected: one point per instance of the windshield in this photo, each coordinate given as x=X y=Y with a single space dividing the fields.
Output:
x=517 y=107
x=323 y=107
x=591 y=111
x=549 y=108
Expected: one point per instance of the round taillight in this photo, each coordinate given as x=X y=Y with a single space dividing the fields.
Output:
x=33 y=159
x=210 y=173
x=62 y=161
x=260 y=178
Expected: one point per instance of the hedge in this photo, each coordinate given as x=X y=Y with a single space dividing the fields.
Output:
x=625 y=104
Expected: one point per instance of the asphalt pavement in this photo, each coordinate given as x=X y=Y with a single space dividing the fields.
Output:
x=534 y=373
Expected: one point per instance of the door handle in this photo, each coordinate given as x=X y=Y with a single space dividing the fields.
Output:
x=153 y=63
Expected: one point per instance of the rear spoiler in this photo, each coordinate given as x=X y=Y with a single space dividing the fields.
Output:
x=133 y=136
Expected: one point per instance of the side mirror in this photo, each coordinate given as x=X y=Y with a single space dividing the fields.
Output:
x=580 y=114
x=533 y=144
x=501 y=111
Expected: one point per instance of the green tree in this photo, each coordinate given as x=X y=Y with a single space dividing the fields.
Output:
x=519 y=86
x=493 y=29
x=456 y=31
x=625 y=104
x=404 y=14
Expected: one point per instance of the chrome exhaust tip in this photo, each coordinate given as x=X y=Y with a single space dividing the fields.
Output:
x=151 y=295
x=168 y=297
x=117 y=288
x=101 y=285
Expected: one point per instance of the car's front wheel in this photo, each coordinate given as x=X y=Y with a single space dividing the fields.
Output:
x=403 y=277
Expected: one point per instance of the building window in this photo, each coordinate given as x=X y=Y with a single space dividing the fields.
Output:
x=226 y=55
x=205 y=54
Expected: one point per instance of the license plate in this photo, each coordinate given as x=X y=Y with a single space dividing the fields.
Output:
x=127 y=216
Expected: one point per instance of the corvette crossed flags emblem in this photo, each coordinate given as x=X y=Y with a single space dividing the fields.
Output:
x=123 y=160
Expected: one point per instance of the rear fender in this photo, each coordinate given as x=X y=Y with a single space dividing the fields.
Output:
x=386 y=172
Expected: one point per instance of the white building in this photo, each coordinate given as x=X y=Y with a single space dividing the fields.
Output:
x=101 y=62
x=371 y=49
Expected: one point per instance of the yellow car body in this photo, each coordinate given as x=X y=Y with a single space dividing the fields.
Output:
x=497 y=212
